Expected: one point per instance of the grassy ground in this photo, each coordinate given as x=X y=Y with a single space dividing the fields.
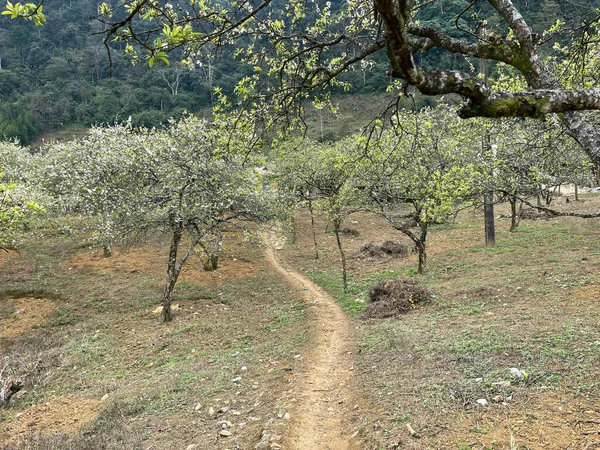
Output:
x=531 y=302
x=103 y=373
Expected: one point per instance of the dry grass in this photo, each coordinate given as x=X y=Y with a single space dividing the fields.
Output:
x=531 y=303
x=98 y=338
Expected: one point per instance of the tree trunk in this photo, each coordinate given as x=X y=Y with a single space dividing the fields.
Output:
x=293 y=226
x=548 y=197
x=420 y=243
x=336 y=230
x=172 y=272
x=107 y=241
x=314 y=231
x=515 y=216
x=107 y=247
x=421 y=248
x=489 y=225
x=576 y=193
x=213 y=259
x=421 y=251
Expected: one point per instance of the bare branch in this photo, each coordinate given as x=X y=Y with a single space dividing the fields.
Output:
x=554 y=212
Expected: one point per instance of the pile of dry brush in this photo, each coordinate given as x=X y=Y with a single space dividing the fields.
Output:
x=393 y=298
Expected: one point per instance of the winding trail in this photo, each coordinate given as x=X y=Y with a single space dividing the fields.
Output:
x=324 y=391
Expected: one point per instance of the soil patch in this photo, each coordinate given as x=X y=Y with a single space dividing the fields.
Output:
x=590 y=293
x=546 y=420
x=393 y=298
x=228 y=269
x=7 y=255
x=58 y=415
x=350 y=231
x=135 y=260
x=20 y=315
x=153 y=260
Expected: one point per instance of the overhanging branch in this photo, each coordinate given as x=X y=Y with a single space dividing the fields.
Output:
x=536 y=103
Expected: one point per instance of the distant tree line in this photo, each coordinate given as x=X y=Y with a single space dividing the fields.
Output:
x=58 y=74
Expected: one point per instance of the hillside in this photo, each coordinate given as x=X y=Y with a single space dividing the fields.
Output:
x=260 y=357
x=57 y=75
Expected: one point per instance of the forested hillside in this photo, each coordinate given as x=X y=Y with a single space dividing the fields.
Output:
x=57 y=75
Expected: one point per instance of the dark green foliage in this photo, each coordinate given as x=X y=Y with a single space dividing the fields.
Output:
x=58 y=74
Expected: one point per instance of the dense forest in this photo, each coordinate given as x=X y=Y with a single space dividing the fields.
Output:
x=58 y=74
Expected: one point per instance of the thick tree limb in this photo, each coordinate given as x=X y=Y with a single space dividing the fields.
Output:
x=507 y=52
x=536 y=103
x=516 y=22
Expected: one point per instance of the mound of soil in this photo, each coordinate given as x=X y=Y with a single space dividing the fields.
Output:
x=393 y=298
x=388 y=248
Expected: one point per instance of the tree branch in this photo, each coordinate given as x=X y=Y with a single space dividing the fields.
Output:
x=507 y=52
x=533 y=103
x=516 y=22
x=554 y=212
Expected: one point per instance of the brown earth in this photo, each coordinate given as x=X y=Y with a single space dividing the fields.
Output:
x=528 y=296
x=148 y=259
x=324 y=388
x=588 y=293
x=7 y=255
x=242 y=321
x=55 y=416
x=545 y=420
x=23 y=315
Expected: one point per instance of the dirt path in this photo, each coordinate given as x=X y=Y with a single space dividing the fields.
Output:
x=324 y=394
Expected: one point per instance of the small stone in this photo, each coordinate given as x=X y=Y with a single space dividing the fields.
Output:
x=223 y=410
x=482 y=402
x=225 y=433
x=498 y=399
x=244 y=369
x=198 y=407
x=589 y=412
x=236 y=413
x=287 y=416
x=236 y=380
x=192 y=447
x=211 y=412
x=224 y=424
x=104 y=398
x=518 y=372
x=275 y=447
x=18 y=415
